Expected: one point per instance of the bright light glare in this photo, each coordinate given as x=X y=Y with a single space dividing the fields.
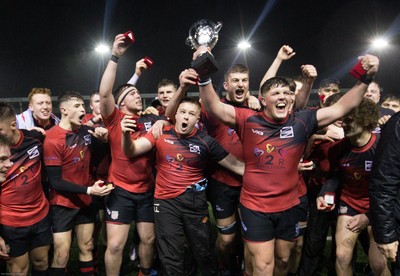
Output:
x=102 y=49
x=380 y=43
x=244 y=45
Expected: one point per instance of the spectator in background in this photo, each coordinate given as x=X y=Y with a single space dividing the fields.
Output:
x=39 y=112
x=392 y=102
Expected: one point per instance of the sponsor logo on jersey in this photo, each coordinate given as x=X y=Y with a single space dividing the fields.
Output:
x=368 y=165
x=287 y=132
x=255 y=131
x=168 y=141
x=194 y=148
x=357 y=176
x=88 y=139
x=73 y=146
x=258 y=152
x=231 y=131
x=33 y=152
x=269 y=148
x=179 y=157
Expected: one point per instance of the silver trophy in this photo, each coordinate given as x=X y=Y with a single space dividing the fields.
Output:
x=204 y=33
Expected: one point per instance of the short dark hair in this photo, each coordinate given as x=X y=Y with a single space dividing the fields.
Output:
x=391 y=97
x=120 y=89
x=166 y=82
x=275 y=82
x=327 y=82
x=236 y=68
x=6 y=111
x=69 y=95
x=191 y=100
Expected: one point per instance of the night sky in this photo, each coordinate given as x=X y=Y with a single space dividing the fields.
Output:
x=51 y=43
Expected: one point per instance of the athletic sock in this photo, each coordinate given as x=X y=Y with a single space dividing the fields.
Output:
x=86 y=268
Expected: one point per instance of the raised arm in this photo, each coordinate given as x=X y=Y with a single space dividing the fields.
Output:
x=353 y=97
x=132 y=148
x=141 y=66
x=232 y=163
x=187 y=78
x=210 y=100
x=284 y=53
x=107 y=102
x=309 y=73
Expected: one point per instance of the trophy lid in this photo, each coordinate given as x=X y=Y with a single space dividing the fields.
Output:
x=203 y=32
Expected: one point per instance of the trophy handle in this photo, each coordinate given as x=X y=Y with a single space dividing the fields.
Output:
x=218 y=27
x=190 y=42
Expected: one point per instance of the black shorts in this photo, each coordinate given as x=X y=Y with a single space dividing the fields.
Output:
x=303 y=208
x=260 y=227
x=224 y=199
x=64 y=218
x=24 y=239
x=123 y=207
x=345 y=210
x=98 y=202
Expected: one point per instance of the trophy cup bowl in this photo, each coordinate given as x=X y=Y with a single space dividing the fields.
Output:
x=204 y=33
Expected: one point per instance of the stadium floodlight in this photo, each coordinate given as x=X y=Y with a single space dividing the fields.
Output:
x=102 y=49
x=243 y=45
x=380 y=43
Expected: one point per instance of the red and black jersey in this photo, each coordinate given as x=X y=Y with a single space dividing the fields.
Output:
x=132 y=174
x=229 y=140
x=353 y=166
x=22 y=200
x=182 y=160
x=101 y=155
x=272 y=152
x=72 y=151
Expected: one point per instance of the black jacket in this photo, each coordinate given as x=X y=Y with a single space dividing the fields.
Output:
x=384 y=187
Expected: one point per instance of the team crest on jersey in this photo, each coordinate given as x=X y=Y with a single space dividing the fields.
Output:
x=343 y=210
x=231 y=131
x=88 y=139
x=147 y=126
x=258 y=152
x=33 y=152
x=194 y=148
x=22 y=169
x=287 y=132
x=368 y=165
x=114 y=215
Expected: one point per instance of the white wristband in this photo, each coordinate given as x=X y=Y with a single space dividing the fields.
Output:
x=88 y=190
x=134 y=79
